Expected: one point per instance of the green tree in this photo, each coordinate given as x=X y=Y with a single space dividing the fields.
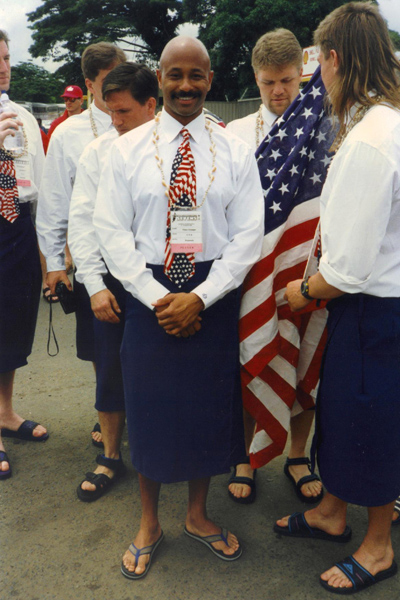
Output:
x=231 y=28
x=395 y=37
x=32 y=83
x=63 y=28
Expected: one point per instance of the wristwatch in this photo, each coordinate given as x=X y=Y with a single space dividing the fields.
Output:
x=304 y=290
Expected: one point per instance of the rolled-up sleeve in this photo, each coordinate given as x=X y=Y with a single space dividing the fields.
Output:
x=357 y=203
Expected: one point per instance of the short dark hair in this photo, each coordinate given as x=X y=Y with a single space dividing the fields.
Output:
x=137 y=78
x=4 y=37
x=102 y=55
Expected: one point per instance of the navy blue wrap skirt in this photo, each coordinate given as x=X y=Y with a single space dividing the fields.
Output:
x=20 y=284
x=108 y=340
x=358 y=405
x=85 y=346
x=182 y=395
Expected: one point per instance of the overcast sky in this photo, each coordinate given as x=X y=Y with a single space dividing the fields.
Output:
x=13 y=20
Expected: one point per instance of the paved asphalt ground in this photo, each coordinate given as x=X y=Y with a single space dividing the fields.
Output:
x=54 y=547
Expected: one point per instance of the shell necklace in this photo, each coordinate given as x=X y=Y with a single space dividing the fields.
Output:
x=159 y=160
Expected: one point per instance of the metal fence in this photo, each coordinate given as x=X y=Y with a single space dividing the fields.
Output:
x=228 y=111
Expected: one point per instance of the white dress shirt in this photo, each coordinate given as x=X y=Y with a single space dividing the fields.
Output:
x=65 y=148
x=82 y=239
x=33 y=168
x=360 y=208
x=245 y=128
x=131 y=208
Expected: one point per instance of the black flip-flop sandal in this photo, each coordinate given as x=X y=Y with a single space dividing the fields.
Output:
x=359 y=577
x=298 y=527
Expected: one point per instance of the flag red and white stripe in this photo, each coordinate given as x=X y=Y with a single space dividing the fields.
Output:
x=281 y=351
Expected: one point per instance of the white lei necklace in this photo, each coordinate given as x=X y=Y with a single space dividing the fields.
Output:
x=259 y=126
x=159 y=160
x=358 y=116
x=93 y=123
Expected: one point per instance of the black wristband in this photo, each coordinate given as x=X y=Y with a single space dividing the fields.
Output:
x=304 y=290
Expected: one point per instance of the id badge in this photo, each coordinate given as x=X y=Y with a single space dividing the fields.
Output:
x=23 y=171
x=186 y=231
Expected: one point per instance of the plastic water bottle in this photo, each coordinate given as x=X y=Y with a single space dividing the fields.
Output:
x=16 y=142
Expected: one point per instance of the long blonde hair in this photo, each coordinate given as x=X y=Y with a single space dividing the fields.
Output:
x=367 y=62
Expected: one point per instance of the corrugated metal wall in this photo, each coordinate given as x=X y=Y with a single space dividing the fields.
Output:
x=228 y=111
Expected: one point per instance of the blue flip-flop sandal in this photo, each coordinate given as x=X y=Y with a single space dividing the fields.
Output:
x=359 y=577
x=140 y=552
x=209 y=540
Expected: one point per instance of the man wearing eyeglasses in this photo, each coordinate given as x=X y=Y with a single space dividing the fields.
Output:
x=73 y=98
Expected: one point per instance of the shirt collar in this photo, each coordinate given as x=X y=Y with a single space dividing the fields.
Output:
x=268 y=117
x=101 y=116
x=171 y=127
x=356 y=106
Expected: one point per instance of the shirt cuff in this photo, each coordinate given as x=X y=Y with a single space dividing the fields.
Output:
x=346 y=284
x=93 y=286
x=207 y=292
x=152 y=292
x=55 y=263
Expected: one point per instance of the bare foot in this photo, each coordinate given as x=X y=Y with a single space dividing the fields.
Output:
x=312 y=488
x=375 y=562
x=4 y=466
x=144 y=538
x=241 y=490
x=335 y=525
x=207 y=527
x=96 y=436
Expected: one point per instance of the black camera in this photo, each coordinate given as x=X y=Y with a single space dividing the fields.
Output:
x=67 y=298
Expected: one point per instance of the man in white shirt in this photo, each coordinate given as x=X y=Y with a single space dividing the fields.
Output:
x=180 y=348
x=20 y=275
x=130 y=92
x=277 y=60
x=65 y=148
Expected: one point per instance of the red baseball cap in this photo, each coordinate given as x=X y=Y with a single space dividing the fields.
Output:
x=72 y=91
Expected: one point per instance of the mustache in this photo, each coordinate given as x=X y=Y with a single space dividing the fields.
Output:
x=179 y=95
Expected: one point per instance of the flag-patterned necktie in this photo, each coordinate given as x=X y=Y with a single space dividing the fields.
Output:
x=182 y=192
x=9 y=205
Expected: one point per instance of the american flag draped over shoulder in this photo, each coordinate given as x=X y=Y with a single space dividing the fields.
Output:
x=281 y=351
